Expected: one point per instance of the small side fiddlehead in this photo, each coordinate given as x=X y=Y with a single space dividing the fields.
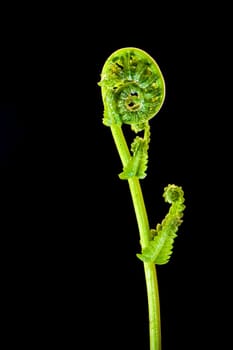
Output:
x=133 y=87
x=160 y=247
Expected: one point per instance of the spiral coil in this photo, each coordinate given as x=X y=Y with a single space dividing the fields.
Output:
x=133 y=87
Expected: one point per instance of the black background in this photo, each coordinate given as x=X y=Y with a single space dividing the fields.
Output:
x=70 y=275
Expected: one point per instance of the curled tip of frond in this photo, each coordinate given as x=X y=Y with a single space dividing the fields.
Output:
x=173 y=193
x=133 y=87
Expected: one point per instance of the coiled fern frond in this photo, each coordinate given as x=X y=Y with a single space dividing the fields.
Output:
x=133 y=92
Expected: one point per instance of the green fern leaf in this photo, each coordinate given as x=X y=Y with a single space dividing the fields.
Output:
x=160 y=248
x=137 y=164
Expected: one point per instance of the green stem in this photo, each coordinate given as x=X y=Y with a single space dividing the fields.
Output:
x=144 y=231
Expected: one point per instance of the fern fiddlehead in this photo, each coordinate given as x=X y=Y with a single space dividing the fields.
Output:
x=133 y=92
x=133 y=87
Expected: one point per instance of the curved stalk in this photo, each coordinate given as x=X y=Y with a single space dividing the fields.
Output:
x=144 y=232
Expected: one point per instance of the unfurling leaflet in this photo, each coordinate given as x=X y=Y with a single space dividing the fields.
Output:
x=159 y=249
x=137 y=164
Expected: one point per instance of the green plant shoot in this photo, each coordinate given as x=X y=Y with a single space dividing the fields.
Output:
x=133 y=92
